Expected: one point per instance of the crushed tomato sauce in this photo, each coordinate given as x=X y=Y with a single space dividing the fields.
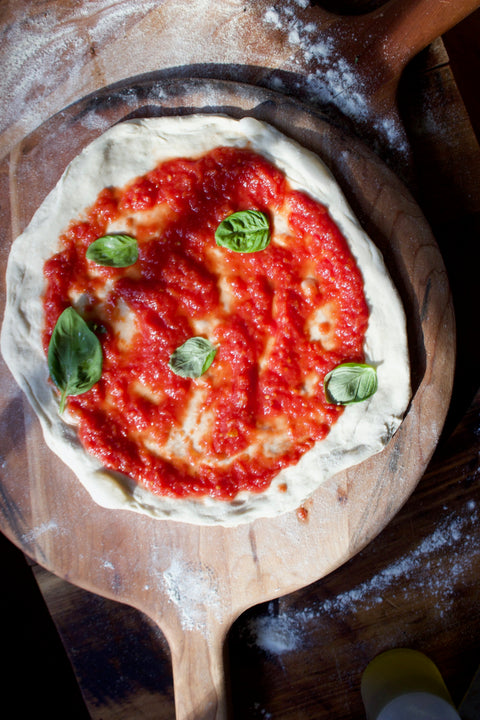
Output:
x=281 y=319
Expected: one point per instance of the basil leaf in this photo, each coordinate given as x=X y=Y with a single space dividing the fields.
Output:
x=244 y=231
x=193 y=358
x=113 y=251
x=350 y=383
x=75 y=356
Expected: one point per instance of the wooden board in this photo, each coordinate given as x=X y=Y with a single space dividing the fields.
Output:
x=193 y=582
x=351 y=64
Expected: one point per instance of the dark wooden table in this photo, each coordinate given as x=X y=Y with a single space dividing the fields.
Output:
x=73 y=654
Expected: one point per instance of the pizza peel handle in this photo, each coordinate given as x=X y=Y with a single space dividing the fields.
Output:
x=399 y=29
x=336 y=529
x=199 y=677
x=379 y=44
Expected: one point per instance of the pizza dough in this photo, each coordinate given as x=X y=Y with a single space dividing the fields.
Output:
x=131 y=149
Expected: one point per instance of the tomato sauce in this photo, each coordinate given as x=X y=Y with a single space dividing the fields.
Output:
x=281 y=318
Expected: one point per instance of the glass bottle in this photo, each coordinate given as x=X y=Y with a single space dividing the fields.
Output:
x=405 y=684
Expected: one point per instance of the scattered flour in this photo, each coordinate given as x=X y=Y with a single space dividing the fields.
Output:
x=261 y=712
x=192 y=587
x=35 y=533
x=280 y=632
x=333 y=80
x=44 y=54
x=51 y=49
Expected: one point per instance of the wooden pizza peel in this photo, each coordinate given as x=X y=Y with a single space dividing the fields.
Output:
x=193 y=582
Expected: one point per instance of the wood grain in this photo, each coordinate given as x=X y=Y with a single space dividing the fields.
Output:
x=72 y=54
x=230 y=570
x=51 y=496
x=302 y=655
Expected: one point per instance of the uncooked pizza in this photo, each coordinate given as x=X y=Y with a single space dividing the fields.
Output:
x=200 y=323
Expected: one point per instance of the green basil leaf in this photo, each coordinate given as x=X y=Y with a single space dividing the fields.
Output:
x=113 y=251
x=350 y=383
x=193 y=358
x=75 y=356
x=244 y=231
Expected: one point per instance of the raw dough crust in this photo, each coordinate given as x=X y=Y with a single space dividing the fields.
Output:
x=130 y=149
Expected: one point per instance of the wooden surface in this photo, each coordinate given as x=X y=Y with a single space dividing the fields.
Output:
x=194 y=582
x=287 y=638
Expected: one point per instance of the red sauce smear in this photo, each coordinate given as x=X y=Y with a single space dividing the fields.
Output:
x=262 y=398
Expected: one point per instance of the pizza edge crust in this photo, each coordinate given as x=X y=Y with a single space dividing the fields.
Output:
x=132 y=148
